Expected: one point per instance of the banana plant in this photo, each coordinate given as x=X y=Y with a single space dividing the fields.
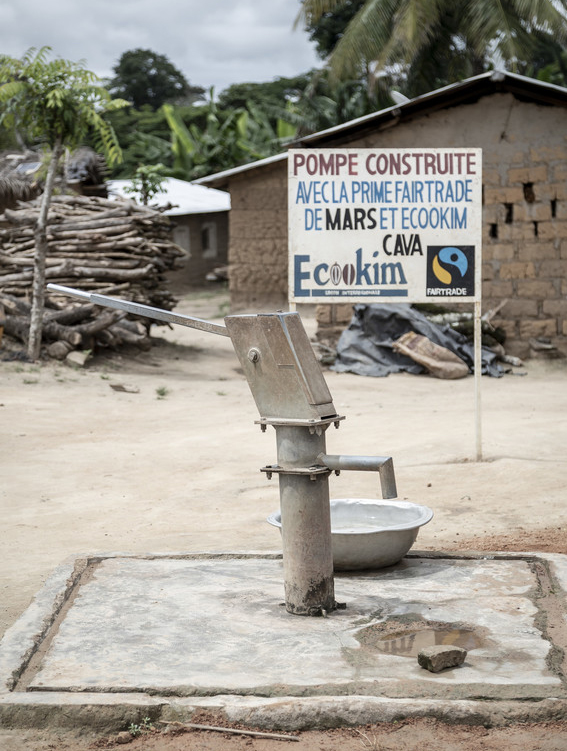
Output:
x=229 y=138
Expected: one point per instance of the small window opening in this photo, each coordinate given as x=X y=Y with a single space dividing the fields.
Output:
x=529 y=194
x=553 y=208
x=509 y=213
x=205 y=238
x=535 y=229
x=209 y=240
x=493 y=232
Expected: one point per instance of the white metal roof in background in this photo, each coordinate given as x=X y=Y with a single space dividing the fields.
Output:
x=186 y=197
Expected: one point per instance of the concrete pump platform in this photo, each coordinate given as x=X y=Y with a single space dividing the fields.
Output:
x=113 y=638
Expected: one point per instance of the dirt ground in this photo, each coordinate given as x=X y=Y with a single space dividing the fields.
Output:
x=157 y=451
x=407 y=735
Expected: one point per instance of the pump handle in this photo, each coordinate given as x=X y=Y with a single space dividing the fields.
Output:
x=142 y=310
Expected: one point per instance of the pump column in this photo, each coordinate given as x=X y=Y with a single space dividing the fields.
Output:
x=306 y=520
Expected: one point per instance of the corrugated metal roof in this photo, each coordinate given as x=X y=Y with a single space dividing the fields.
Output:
x=468 y=90
x=220 y=176
x=186 y=197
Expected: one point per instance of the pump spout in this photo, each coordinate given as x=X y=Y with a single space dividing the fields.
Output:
x=382 y=464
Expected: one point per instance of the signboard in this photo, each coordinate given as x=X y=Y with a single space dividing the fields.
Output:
x=385 y=225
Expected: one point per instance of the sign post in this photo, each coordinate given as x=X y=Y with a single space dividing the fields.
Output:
x=387 y=225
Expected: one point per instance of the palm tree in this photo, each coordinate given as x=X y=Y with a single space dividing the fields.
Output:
x=58 y=103
x=437 y=41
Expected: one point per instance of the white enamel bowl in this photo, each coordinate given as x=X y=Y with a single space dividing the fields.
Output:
x=370 y=534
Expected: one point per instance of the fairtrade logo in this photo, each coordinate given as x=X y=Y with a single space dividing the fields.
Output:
x=450 y=271
x=449 y=257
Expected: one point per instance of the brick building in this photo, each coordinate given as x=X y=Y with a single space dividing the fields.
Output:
x=199 y=216
x=521 y=125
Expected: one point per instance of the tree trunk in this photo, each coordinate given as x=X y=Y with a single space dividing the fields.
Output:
x=38 y=290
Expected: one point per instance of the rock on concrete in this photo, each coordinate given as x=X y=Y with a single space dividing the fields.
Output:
x=441 y=657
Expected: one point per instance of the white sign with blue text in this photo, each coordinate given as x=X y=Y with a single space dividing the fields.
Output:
x=397 y=225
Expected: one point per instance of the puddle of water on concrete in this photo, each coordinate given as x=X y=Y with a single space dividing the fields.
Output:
x=408 y=643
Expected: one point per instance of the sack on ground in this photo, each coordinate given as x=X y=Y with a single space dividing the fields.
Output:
x=438 y=361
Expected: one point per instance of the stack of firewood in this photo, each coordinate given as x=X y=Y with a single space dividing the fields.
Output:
x=115 y=248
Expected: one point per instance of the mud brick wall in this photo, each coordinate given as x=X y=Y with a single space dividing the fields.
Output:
x=524 y=217
x=525 y=247
x=258 y=252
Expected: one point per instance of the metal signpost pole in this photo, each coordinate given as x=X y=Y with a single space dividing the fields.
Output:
x=478 y=377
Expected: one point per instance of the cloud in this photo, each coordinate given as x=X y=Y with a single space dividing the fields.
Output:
x=213 y=43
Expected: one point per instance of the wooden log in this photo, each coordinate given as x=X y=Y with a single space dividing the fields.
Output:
x=123 y=242
x=104 y=320
x=96 y=203
x=15 y=306
x=54 y=330
x=107 y=219
x=114 y=288
x=113 y=274
x=16 y=248
x=100 y=260
x=136 y=327
x=22 y=285
x=97 y=219
x=27 y=276
x=28 y=261
x=59 y=350
x=125 y=336
x=84 y=284
x=24 y=217
x=103 y=232
x=72 y=315
x=16 y=290
x=106 y=338
x=19 y=326
x=67 y=269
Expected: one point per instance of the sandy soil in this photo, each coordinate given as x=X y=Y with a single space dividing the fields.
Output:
x=410 y=735
x=158 y=451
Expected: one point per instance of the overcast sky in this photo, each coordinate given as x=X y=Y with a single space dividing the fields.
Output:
x=212 y=42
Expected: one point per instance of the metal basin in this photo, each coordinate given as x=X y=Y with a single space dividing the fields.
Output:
x=370 y=534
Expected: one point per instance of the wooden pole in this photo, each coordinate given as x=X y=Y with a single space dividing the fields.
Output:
x=478 y=377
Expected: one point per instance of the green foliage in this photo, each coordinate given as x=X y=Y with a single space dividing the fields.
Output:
x=57 y=101
x=136 y=729
x=148 y=182
x=144 y=138
x=144 y=77
x=547 y=60
x=227 y=138
x=8 y=139
x=433 y=42
x=325 y=104
x=330 y=26
x=271 y=94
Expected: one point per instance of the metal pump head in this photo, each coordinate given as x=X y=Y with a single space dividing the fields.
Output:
x=281 y=368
